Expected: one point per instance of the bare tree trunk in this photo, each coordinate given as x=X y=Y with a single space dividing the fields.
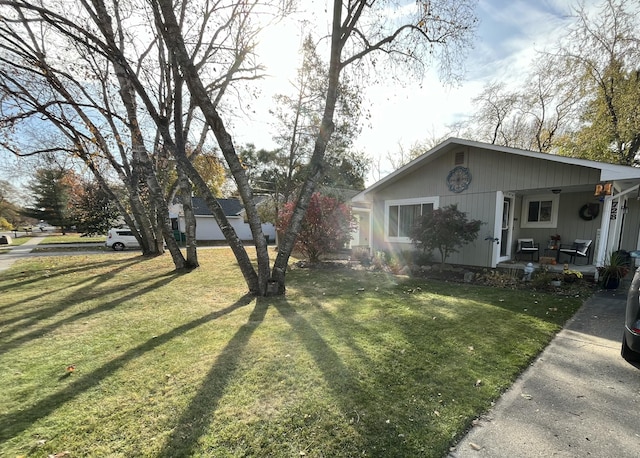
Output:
x=174 y=41
x=317 y=165
x=189 y=219
x=140 y=155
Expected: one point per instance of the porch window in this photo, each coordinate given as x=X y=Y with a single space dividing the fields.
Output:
x=540 y=211
x=402 y=215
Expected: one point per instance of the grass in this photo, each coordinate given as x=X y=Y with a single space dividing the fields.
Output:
x=19 y=240
x=59 y=239
x=165 y=364
x=4 y=249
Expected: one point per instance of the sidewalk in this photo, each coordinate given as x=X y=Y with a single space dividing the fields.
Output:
x=579 y=398
x=17 y=252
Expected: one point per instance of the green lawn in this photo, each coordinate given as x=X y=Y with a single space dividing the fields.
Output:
x=17 y=241
x=60 y=239
x=349 y=363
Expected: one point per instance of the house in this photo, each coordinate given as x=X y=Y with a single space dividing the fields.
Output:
x=207 y=228
x=517 y=194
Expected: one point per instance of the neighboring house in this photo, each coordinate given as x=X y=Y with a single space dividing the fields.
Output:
x=206 y=226
x=516 y=193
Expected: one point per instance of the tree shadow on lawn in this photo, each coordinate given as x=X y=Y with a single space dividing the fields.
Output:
x=44 y=312
x=82 y=295
x=197 y=417
x=360 y=400
x=16 y=422
x=8 y=282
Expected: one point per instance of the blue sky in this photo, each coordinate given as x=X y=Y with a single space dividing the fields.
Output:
x=508 y=34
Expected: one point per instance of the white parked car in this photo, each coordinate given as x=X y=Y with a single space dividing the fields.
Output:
x=121 y=238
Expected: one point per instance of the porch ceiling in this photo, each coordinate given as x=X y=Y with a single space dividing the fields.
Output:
x=563 y=189
x=620 y=185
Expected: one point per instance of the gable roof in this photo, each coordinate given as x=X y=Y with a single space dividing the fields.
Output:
x=231 y=207
x=608 y=172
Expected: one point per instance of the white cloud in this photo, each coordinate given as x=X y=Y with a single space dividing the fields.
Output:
x=509 y=35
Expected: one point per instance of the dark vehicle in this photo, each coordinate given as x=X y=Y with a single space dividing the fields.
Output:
x=631 y=339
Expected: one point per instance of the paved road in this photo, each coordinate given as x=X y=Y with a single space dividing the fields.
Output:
x=578 y=399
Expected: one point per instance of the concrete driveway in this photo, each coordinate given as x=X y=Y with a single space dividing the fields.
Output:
x=578 y=399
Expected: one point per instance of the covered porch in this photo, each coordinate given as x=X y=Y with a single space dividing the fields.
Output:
x=605 y=216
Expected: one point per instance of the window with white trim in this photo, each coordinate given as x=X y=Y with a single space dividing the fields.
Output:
x=540 y=211
x=401 y=215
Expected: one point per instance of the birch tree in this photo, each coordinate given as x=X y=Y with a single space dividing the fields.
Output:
x=360 y=32
x=207 y=50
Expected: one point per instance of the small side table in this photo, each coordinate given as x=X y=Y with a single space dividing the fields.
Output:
x=552 y=252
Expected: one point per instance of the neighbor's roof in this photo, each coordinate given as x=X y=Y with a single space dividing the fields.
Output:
x=608 y=172
x=231 y=207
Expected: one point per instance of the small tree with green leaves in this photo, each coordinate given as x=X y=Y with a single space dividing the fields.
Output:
x=444 y=229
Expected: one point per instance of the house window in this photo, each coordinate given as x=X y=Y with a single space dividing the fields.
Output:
x=540 y=211
x=402 y=215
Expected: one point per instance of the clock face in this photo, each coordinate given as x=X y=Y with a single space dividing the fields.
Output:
x=458 y=179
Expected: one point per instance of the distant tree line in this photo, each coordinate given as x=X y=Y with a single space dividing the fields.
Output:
x=580 y=98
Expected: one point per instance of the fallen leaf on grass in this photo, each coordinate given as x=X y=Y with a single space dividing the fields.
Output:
x=60 y=454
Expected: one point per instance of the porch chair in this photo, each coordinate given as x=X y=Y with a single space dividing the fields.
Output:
x=528 y=246
x=578 y=249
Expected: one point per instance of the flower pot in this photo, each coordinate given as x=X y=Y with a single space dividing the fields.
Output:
x=611 y=283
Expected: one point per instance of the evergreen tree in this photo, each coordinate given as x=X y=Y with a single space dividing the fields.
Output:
x=93 y=210
x=51 y=190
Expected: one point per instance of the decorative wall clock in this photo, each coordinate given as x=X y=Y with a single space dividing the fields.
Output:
x=458 y=179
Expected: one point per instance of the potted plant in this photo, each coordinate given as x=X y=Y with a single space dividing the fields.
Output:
x=571 y=276
x=614 y=270
x=556 y=280
x=554 y=241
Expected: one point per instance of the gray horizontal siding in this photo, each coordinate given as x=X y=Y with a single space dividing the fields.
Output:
x=491 y=172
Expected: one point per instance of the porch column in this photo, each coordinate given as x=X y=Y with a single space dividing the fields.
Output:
x=601 y=253
x=610 y=233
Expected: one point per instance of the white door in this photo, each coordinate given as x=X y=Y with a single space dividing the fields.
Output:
x=504 y=226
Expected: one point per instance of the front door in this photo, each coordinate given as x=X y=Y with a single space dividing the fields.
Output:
x=504 y=225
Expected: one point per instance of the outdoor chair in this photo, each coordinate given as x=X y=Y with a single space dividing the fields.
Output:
x=528 y=247
x=578 y=249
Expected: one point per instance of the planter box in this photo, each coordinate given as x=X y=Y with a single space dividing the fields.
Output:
x=547 y=260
